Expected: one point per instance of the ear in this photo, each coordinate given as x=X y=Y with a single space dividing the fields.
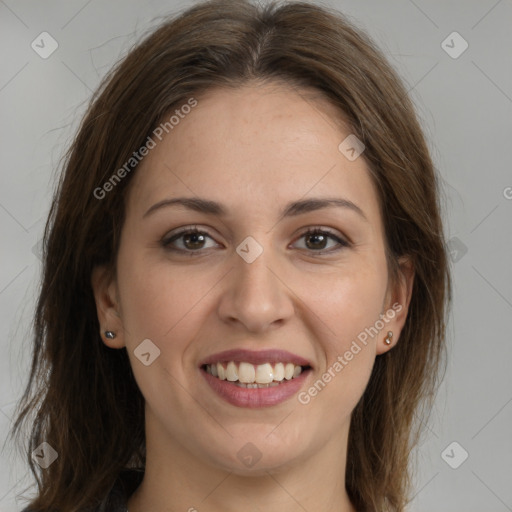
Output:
x=105 y=294
x=396 y=305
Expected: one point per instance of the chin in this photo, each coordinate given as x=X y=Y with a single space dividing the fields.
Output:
x=255 y=458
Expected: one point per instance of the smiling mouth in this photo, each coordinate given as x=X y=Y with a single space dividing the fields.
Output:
x=248 y=375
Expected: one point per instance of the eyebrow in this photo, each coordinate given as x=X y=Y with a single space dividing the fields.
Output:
x=291 y=209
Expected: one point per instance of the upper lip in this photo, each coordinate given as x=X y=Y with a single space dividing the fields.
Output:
x=256 y=357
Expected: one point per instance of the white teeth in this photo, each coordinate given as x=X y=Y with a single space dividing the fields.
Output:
x=264 y=373
x=279 y=372
x=246 y=373
x=231 y=372
x=254 y=376
x=288 y=371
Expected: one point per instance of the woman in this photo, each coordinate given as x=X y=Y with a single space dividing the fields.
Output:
x=245 y=280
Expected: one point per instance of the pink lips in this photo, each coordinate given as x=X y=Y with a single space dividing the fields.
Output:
x=259 y=397
x=253 y=398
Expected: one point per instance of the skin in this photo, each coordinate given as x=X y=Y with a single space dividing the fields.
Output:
x=253 y=149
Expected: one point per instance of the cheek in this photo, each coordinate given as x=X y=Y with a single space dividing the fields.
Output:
x=350 y=311
x=162 y=302
x=348 y=301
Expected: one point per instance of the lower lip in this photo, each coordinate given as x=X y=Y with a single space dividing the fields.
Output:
x=255 y=397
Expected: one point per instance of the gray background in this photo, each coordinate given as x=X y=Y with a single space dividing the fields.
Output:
x=465 y=105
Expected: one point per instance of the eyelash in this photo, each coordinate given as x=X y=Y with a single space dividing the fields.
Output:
x=166 y=242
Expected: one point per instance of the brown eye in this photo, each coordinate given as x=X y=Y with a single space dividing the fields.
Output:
x=192 y=240
x=316 y=240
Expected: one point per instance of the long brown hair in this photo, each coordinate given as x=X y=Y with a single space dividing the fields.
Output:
x=81 y=396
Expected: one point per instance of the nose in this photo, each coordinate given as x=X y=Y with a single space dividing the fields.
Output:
x=256 y=295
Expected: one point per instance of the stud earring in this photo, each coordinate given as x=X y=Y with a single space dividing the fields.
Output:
x=387 y=339
x=110 y=335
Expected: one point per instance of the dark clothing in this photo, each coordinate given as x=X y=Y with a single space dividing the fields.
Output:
x=124 y=486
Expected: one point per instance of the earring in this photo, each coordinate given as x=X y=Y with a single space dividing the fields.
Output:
x=110 y=335
x=387 y=339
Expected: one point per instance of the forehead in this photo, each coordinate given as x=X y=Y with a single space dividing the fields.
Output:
x=254 y=147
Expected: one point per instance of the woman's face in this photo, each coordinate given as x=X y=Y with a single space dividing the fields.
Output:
x=252 y=282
